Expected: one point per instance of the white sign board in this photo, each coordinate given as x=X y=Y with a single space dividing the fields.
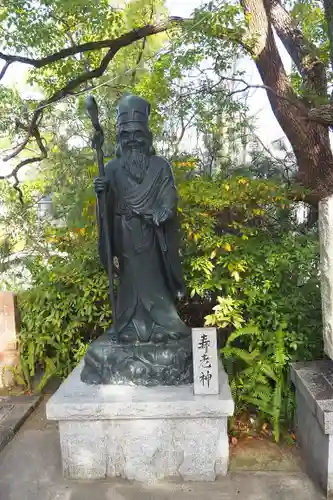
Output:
x=205 y=361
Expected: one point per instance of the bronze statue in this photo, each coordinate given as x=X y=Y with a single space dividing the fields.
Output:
x=148 y=343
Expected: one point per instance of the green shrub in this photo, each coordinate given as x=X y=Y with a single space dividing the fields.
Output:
x=248 y=271
x=65 y=308
x=259 y=278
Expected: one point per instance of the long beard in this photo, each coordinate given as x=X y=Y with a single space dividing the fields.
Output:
x=136 y=163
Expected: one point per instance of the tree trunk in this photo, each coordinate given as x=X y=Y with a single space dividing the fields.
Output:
x=309 y=139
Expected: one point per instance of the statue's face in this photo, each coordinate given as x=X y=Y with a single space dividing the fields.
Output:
x=133 y=136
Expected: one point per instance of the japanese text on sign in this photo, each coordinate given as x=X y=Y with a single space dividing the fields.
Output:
x=205 y=360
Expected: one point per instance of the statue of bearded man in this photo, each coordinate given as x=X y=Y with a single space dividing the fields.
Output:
x=144 y=236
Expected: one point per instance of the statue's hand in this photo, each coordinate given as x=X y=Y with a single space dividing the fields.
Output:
x=160 y=216
x=101 y=185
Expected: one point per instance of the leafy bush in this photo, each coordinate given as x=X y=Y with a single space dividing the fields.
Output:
x=66 y=308
x=247 y=271
x=259 y=278
x=66 y=305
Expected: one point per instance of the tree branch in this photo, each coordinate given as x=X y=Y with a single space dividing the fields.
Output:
x=309 y=140
x=4 y=69
x=214 y=89
x=122 y=41
x=138 y=61
x=27 y=161
x=304 y=54
x=71 y=39
x=144 y=43
x=114 y=46
x=19 y=148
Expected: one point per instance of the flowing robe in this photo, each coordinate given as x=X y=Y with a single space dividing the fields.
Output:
x=149 y=265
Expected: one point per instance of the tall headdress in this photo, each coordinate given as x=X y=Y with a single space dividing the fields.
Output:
x=132 y=108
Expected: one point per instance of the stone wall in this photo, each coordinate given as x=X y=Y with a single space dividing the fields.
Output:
x=8 y=339
x=326 y=270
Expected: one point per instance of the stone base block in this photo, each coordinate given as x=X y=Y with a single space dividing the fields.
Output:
x=314 y=419
x=141 y=433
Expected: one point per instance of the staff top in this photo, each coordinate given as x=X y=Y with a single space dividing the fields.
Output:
x=92 y=109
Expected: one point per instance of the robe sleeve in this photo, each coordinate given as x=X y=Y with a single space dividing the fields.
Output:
x=169 y=234
x=168 y=197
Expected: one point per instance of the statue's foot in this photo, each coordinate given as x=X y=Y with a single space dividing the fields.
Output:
x=162 y=335
x=127 y=336
x=159 y=337
x=90 y=376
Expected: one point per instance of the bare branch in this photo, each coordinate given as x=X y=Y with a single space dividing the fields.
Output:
x=4 y=69
x=144 y=42
x=139 y=59
x=213 y=89
x=21 y=164
x=18 y=149
x=26 y=161
x=247 y=86
x=17 y=188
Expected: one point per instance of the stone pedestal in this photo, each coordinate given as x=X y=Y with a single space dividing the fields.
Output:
x=314 y=419
x=141 y=433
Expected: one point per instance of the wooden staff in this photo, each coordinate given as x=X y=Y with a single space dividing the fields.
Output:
x=98 y=141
